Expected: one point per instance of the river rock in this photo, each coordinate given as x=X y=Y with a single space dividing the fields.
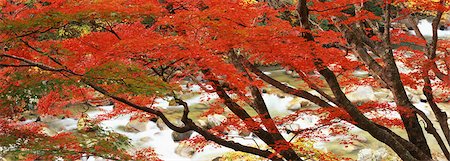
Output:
x=161 y=125
x=294 y=105
x=176 y=136
x=185 y=150
x=215 y=120
x=136 y=125
x=362 y=94
x=384 y=95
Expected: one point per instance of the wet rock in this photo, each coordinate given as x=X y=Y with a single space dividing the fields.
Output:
x=214 y=120
x=384 y=95
x=294 y=107
x=362 y=94
x=298 y=103
x=176 y=136
x=161 y=125
x=136 y=125
x=185 y=150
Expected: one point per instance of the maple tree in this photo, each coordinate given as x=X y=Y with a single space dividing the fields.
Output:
x=62 y=52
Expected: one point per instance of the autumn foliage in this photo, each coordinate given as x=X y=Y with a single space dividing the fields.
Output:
x=56 y=53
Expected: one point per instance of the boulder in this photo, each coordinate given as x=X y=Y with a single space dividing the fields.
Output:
x=384 y=95
x=161 y=125
x=214 y=120
x=185 y=150
x=362 y=94
x=136 y=125
x=294 y=106
x=297 y=103
x=176 y=136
